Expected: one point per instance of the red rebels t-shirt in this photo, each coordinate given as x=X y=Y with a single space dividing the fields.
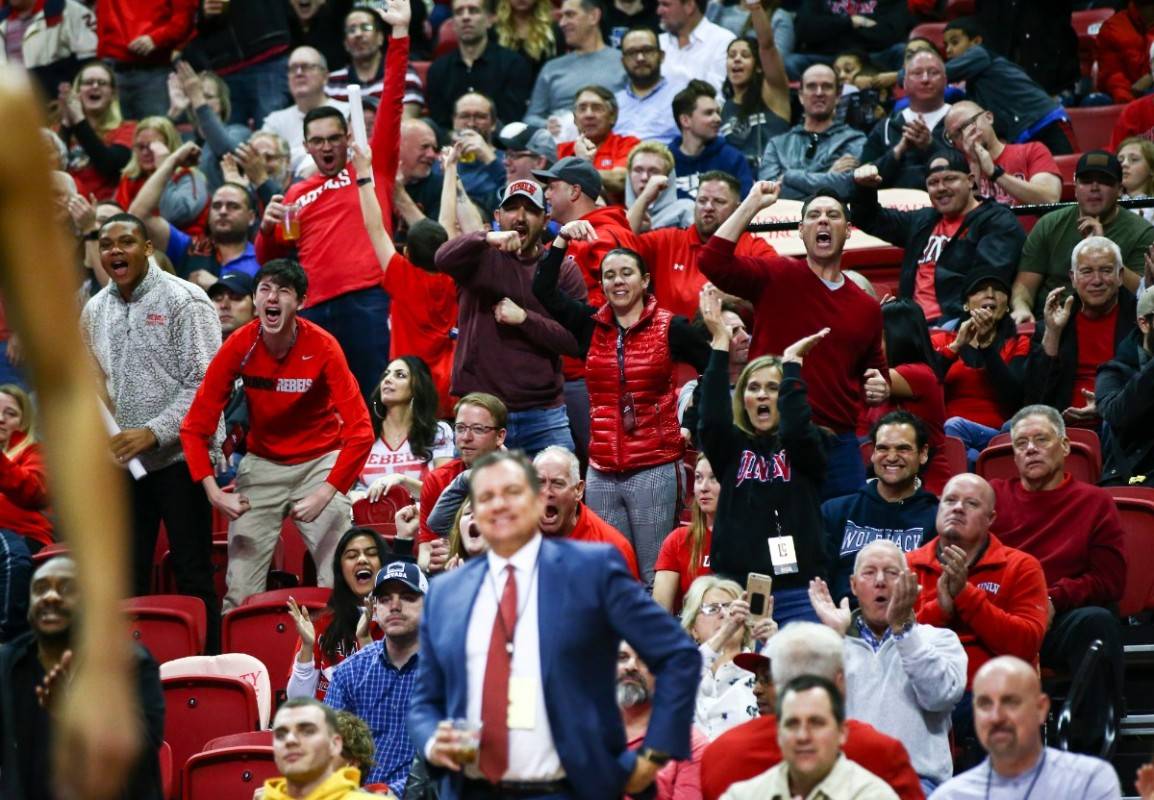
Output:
x=674 y=557
x=925 y=291
x=422 y=318
x=612 y=154
x=1022 y=161
x=1095 y=348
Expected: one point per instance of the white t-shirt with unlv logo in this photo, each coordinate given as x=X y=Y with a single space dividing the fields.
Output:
x=383 y=460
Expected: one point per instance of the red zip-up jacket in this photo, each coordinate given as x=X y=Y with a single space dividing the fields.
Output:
x=300 y=407
x=334 y=247
x=169 y=22
x=24 y=492
x=1123 y=53
x=1001 y=612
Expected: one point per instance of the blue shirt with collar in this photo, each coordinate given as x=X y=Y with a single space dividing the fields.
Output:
x=648 y=117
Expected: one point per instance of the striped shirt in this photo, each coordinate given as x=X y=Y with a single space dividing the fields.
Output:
x=338 y=86
x=370 y=686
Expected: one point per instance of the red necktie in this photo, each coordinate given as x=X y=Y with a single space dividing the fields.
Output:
x=494 y=757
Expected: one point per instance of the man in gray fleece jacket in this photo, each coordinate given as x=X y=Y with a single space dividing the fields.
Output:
x=153 y=335
x=901 y=677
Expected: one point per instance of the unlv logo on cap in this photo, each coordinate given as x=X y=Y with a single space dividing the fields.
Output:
x=529 y=187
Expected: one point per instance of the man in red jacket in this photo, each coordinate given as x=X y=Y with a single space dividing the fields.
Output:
x=1123 y=48
x=308 y=437
x=346 y=297
x=751 y=748
x=138 y=38
x=1074 y=530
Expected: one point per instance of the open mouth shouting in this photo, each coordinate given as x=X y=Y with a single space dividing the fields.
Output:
x=118 y=267
x=550 y=517
x=364 y=580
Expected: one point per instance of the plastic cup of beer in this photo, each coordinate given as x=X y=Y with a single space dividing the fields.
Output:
x=291 y=225
x=468 y=740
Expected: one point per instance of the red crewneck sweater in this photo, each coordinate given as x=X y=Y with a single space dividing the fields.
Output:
x=1074 y=530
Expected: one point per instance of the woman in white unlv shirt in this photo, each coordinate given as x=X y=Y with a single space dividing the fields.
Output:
x=411 y=441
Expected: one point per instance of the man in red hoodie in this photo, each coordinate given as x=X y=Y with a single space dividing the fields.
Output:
x=1074 y=530
x=138 y=39
x=308 y=437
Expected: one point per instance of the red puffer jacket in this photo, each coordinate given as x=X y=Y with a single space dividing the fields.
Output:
x=24 y=491
x=649 y=374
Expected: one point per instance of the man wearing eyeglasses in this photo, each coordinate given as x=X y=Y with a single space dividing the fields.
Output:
x=481 y=165
x=365 y=40
x=308 y=72
x=645 y=103
x=1124 y=394
x=1046 y=261
x=1025 y=172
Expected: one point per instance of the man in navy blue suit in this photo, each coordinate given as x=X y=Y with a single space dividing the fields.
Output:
x=537 y=669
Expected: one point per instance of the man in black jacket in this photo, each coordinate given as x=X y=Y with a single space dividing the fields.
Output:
x=1080 y=331
x=1124 y=393
x=26 y=726
x=944 y=243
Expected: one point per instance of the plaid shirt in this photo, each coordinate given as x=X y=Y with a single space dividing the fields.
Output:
x=869 y=636
x=368 y=685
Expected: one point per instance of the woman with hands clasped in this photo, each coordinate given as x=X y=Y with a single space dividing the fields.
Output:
x=716 y=615
x=630 y=345
x=770 y=459
x=345 y=624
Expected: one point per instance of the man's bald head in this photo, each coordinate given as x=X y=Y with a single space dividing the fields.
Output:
x=418 y=152
x=1009 y=711
x=966 y=512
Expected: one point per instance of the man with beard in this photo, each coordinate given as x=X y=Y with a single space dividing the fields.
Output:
x=1010 y=709
x=943 y=244
x=376 y=682
x=819 y=151
x=332 y=244
x=508 y=344
x=671 y=253
x=645 y=102
x=41 y=658
x=565 y=515
x=1124 y=394
x=635 y=688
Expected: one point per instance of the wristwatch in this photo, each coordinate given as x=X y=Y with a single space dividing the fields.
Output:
x=997 y=173
x=364 y=181
x=655 y=756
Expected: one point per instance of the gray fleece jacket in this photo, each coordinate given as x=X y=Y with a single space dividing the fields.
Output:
x=668 y=210
x=153 y=351
x=908 y=689
x=801 y=160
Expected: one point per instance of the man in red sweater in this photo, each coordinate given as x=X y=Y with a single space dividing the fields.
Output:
x=751 y=748
x=795 y=298
x=671 y=253
x=346 y=297
x=1074 y=530
x=309 y=433
x=138 y=39
x=565 y=515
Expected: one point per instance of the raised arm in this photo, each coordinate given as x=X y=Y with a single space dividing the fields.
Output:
x=744 y=276
x=147 y=200
x=383 y=245
x=571 y=313
x=775 y=86
x=386 y=133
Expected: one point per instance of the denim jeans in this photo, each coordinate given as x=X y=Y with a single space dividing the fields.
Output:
x=537 y=428
x=257 y=90
x=844 y=472
x=15 y=576
x=974 y=434
x=143 y=92
x=360 y=322
x=9 y=373
x=792 y=605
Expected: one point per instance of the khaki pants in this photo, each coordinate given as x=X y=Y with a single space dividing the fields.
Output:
x=271 y=489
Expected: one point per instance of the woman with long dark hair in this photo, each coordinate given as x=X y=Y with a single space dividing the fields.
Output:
x=411 y=441
x=684 y=555
x=915 y=383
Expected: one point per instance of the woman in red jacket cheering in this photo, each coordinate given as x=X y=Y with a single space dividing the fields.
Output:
x=630 y=345
x=24 y=525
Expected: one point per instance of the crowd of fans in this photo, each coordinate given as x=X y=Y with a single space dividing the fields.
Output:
x=542 y=244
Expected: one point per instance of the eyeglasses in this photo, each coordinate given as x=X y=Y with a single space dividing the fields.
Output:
x=713 y=609
x=476 y=430
x=811 y=151
x=643 y=52
x=97 y=83
x=364 y=27
x=295 y=68
x=336 y=140
x=951 y=136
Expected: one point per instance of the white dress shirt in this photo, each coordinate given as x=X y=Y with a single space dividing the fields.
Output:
x=532 y=754
x=703 y=57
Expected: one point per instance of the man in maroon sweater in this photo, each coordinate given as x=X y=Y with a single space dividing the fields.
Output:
x=795 y=298
x=1074 y=530
x=508 y=344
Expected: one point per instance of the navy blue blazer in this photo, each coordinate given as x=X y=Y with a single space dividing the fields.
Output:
x=587 y=603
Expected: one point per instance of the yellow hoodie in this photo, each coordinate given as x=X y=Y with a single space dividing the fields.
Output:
x=344 y=784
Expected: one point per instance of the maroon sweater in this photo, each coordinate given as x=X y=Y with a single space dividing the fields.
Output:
x=792 y=302
x=1074 y=530
x=521 y=364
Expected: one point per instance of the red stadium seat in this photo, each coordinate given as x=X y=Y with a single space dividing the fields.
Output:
x=379 y=516
x=933 y=31
x=1136 y=492
x=169 y=625
x=1138 y=524
x=422 y=70
x=446 y=41
x=265 y=630
x=246 y=739
x=308 y=595
x=997 y=461
x=199 y=708
x=164 y=756
x=1083 y=437
x=231 y=773
x=1067 y=164
x=955 y=450
x=1093 y=125
x=1089 y=21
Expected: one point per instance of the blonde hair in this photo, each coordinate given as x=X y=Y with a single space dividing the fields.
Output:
x=740 y=415
x=695 y=598
x=112 y=118
x=27 y=418
x=539 y=44
x=656 y=148
x=456 y=546
x=1146 y=148
x=163 y=126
